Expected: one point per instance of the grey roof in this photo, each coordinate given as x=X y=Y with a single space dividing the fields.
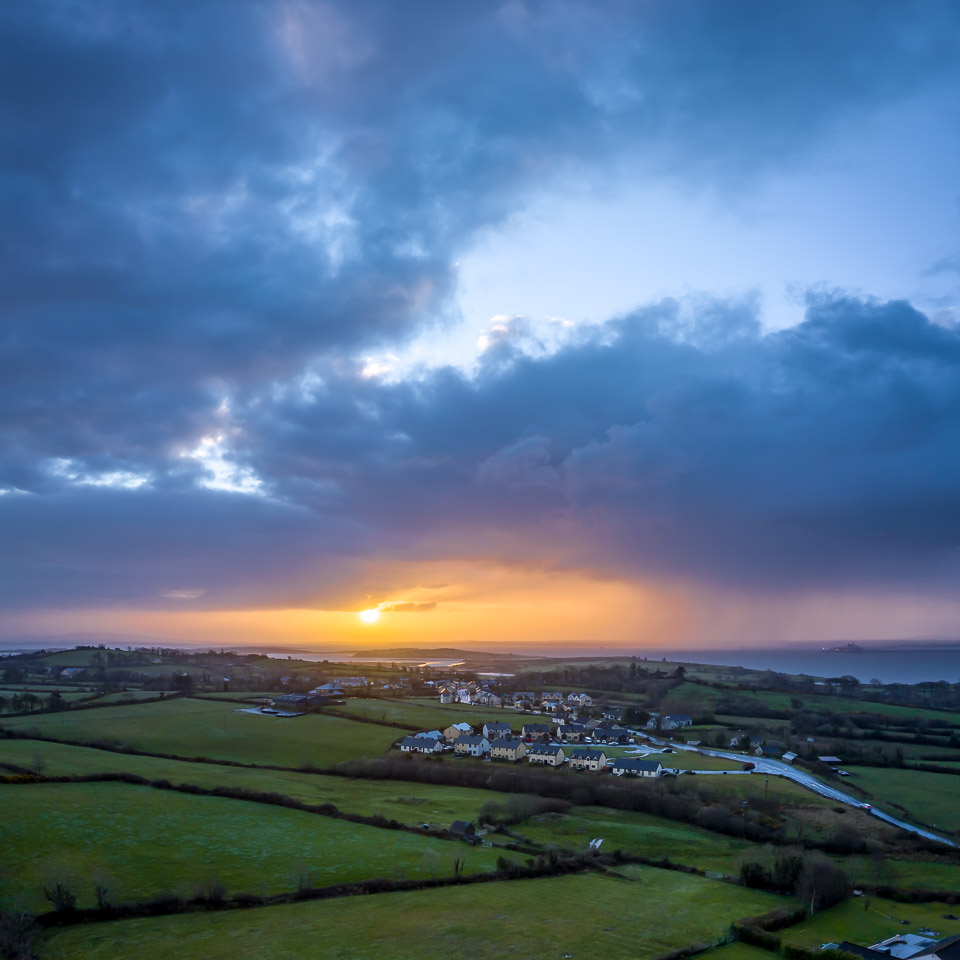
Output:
x=585 y=753
x=471 y=741
x=504 y=742
x=537 y=727
x=462 y=826
x=540 y=748
x=635 y=763
x=678 y=716
x=418 y=742
x=496 y=725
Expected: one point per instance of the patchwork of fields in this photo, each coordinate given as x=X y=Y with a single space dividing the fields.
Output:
x=602 y=918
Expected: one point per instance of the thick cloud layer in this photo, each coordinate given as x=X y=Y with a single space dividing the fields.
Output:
x=209 y=209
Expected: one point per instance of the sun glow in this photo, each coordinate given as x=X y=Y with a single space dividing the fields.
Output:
x=370 y=616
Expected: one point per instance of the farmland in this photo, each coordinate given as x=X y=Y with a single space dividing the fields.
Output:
x=929 y=797
x=146 y=841
x=191 y=727
x=405 y=802
x=601 y=917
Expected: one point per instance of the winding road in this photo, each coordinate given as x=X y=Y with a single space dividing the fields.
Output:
x=777 y=768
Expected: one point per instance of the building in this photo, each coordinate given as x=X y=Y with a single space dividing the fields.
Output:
x=535 y=731
x=467 y=746
x=614 y=713
x=674 y=721
x=504 y=749
x=571 y=732
x=611 y=734
x=430 y=734
x=464 y=830
x=457 y=730
x=329 y=690
x=789 y=757
x=550 y=754
x=635 y=767
x=583 y=758
x=420 y=744
x=495 y=729
x=351 y=682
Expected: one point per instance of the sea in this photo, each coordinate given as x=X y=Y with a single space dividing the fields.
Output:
x=898 y=664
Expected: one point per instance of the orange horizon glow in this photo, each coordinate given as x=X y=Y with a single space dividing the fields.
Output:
x=500 y=608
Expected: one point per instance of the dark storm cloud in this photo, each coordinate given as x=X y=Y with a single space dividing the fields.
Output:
x=820 y=456
x=204 y=201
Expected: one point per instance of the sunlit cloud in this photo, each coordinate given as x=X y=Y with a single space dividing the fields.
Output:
x=222 y=474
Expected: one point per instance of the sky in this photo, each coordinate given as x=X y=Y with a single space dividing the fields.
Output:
x=629 y=324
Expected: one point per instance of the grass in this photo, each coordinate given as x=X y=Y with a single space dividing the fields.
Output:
x=866 y=921
x=148 y=841
x=409 y=803
x=188 y=727
x=928 y=797
x=429 y=714
x=582 y=916
x=908 y=874
x=638 y=833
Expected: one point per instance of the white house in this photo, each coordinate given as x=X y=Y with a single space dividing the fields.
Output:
x=420 y=744
x=634 y=767
x=471 y=746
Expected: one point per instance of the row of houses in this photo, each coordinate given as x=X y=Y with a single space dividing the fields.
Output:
x=542 y=754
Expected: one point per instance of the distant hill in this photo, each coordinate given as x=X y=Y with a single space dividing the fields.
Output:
x=446 y=653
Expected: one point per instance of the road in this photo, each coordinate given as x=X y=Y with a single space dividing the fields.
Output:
x=777 y=768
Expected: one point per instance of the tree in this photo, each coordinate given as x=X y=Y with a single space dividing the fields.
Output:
x=60 y=895
x=18 y=933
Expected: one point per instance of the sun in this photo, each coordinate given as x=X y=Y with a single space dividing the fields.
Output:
x=370 y=616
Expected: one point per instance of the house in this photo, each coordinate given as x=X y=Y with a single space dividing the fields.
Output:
x=583 y=758
x=447 y=696
x=611 y=734
x=651 y=724
x=535 y=731
x=457 y=730
x=674 y=721
x=772 y=751
x=946 y=949
x=789 y=757
x=571 y=732
x=579 y=699
x=430 y=734
x=555 y=697
x=352 y=682
x=614 y=713
x=420 y=744
x=464 y=831
x=495 y=729
x=69 y=672
x=550 y=754
x=504 y=749
x=467 y=746
x=634 y=767
x=328 y=690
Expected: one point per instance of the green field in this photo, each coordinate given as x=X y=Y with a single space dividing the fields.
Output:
x=187 y=727
x=430 y=714
x=638 y=833
x=149 y=841
x=410 y=803
x=933 y=798
x=865 y=922
x=583 y=916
